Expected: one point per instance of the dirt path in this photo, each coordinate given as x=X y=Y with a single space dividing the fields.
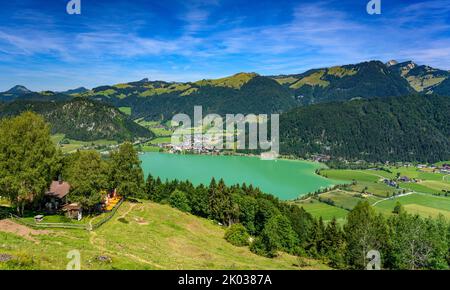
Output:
x=133 y=205
x=394 y=197
x=9 y=226
x=373 y=174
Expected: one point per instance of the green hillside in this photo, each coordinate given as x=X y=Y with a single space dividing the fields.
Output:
x=363 y=80
x=410 y=128
x=423 y=78
x=140 y=236
x=81 y=119
x=156 y=100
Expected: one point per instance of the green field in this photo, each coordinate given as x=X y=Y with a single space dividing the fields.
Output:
x=150 y=148
x=161 y=140
x=349 y=175
x=347 y=200
x=320 y=209
x=161 y=131
x=57 y=138
x=425 y=202
x=422 y=204
x=73 y=145
x=158 y=128
x=140 y=236
x=366 y=180
x=125 y=110
x=423 y=187
x=144 y=123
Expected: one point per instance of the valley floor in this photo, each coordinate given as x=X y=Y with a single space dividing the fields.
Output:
x=427 y=196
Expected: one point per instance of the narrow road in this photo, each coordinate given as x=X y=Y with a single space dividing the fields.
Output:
x=394 y=197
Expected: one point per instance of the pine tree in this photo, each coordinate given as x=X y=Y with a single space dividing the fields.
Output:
x=334 y=244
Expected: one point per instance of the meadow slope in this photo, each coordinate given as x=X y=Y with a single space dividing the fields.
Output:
x=140 y=236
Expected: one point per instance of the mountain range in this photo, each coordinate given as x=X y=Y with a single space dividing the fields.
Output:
x=251 y=93
x=372 y=110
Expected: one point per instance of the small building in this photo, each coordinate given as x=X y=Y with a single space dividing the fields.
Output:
x=55 y=197
x=38 y=218
x=73 y=211
x=404 y=179
x=390 y=183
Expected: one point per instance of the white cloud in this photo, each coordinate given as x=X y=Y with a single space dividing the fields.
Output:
x=316 y=35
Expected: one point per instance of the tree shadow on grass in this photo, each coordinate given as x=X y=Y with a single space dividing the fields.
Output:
x=5 y=212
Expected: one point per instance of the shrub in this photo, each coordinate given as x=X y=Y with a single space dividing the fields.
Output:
x=261 y=248
x=237 y=235
x=178 y=199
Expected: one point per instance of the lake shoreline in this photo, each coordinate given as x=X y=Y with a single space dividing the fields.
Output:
x=283 y=179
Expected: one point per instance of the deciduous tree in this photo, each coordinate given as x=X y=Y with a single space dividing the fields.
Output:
x=27 y=159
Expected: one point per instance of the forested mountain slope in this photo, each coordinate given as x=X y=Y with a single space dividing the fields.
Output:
x=410 y=128
x=81 y=119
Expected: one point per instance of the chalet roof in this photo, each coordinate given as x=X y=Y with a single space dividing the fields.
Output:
x=72 y=206
x=58 y=189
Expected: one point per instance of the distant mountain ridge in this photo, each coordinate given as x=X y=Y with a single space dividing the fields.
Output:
x=14 y=93
x=252 y=93
x=240 y=93
x=79 y=90
x=340 y=83
x=18 y=90
x=422 y=78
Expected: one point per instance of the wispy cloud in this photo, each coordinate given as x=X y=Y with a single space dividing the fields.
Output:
x=199 y=39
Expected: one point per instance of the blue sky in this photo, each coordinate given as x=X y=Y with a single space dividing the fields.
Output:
x=42 y=47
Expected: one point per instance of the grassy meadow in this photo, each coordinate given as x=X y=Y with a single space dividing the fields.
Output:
x=69 y=145
x=140 y=236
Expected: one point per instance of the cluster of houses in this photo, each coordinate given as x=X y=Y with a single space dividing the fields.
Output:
x=56 y=200
x=200 y=145
x=444 y=168
x=394 y=183
x=321 y=158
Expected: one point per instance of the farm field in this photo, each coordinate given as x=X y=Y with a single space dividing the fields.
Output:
x=368 y=181
x=161 y=132
x=349 y=175
x=140 y=236
x=150 y=148
x=320 y=209
x=429 y=200
x=158 y=128
x=73 y=145
x=347 y=200
x=421 y=204
x=126 y=110
x=160 y=140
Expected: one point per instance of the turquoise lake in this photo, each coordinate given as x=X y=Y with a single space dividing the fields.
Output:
x=286 y=179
